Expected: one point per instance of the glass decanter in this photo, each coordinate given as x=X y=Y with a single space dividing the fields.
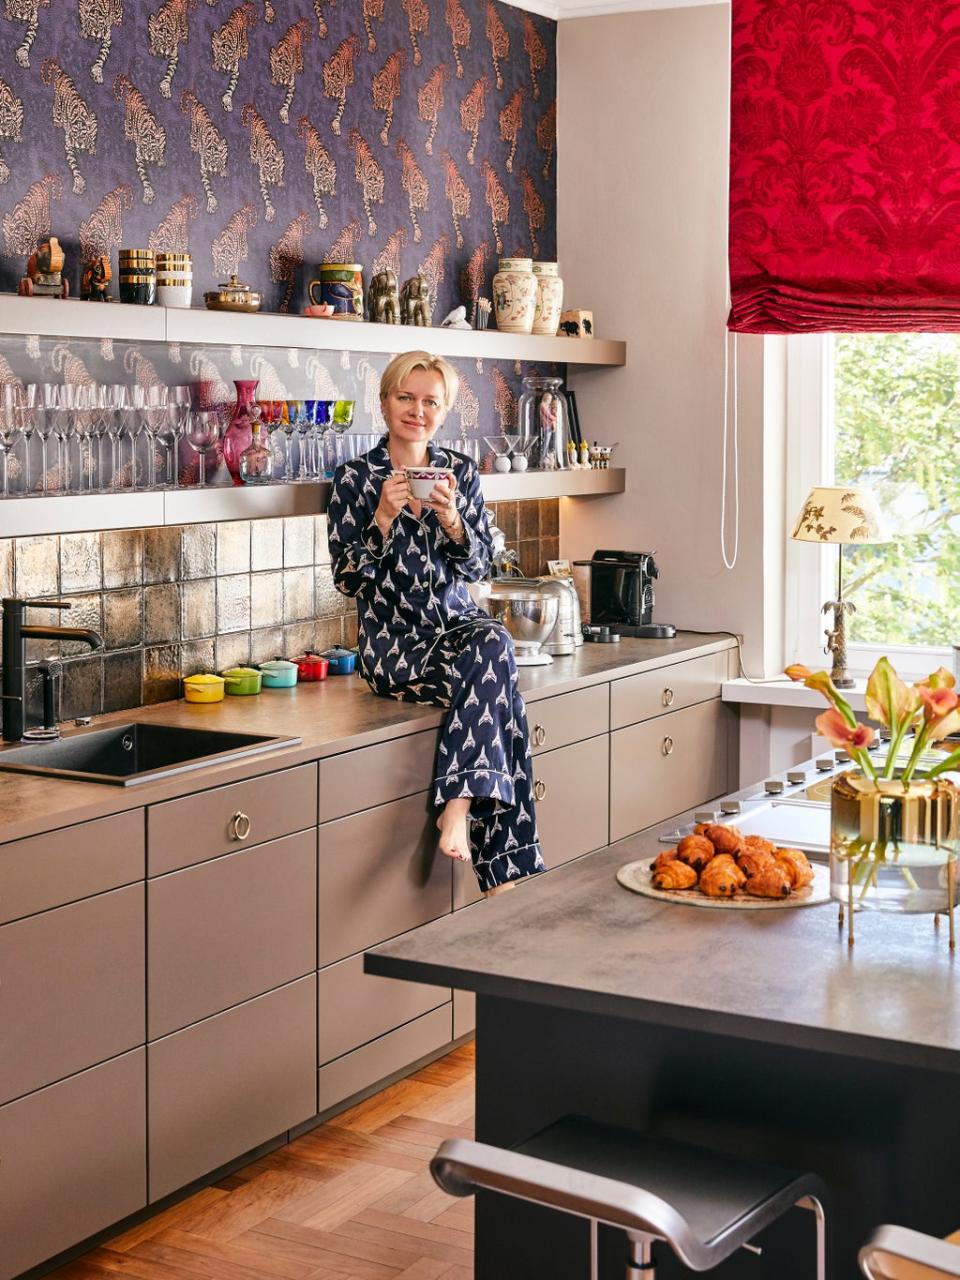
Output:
x=239 y=433
x=256 y=461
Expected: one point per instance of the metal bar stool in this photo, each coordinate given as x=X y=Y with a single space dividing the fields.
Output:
x=896 y=1253
x=703 y=1205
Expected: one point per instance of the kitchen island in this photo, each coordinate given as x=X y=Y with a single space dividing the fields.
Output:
x=757 y=1033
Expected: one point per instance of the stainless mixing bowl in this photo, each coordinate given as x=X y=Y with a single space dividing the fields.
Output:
x=528 y=613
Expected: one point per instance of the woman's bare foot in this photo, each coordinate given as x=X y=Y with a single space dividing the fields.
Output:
x=499 y=888
x=454 y=836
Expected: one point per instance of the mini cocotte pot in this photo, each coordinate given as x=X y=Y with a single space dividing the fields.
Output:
x=203 y=687
x=279 y=674
x=342 y=662
x=242 y=681
x=312 y=667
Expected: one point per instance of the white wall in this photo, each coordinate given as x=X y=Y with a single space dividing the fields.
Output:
x=642 y=177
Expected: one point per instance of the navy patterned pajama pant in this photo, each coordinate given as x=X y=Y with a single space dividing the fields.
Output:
x=484 y=750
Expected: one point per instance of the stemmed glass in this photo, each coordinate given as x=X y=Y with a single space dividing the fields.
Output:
x=116 y=406
x=203 y=431
x=151 y=404
x=294 y=410
x=179 y=400
x=321 y=420
x=49 y=397
x=10 y=417
x=28 y=423
x=342 y=422
x=84 y=418
x=271 y=415
x=305 y=427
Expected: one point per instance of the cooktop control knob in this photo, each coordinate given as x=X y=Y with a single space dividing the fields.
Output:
x=825 y=763
x=796 y=776
x=774 y=786
x=843 y=757
x=705 y=815
x=729 y=806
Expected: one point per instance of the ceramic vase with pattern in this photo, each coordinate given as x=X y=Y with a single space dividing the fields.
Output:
x=546 y=318
x=515 y=295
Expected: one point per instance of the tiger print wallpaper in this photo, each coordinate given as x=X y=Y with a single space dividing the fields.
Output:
x=270 y=135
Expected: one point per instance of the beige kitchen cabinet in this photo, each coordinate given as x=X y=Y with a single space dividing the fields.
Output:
x=72 y=863
x=670 y=688
x=569 y=717
x=195 y=828
x=356 y=781
x=380 y=874
x=667 y=764
x=354 y=1007
x=71 y=989
x=229 y=1083
x=230 y=929
x=72 y=1161
x=390 y=1054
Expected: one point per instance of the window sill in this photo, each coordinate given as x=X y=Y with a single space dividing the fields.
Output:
x=784 y=693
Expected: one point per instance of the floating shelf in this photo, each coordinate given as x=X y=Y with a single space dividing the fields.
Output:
x=74 y=513
x=68 y=318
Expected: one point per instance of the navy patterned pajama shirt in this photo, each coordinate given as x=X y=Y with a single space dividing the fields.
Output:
x=422 y=639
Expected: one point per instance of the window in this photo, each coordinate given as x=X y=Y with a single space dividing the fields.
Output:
x=883 y=410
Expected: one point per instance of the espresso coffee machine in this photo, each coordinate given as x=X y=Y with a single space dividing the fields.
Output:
x=622 y=594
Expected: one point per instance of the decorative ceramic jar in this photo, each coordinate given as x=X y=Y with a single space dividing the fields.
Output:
x=239 y=434
x=174 y=279
x=894 y=847
x=137 y=277
x=549 y=298
x=340 y=286
x=515 y=295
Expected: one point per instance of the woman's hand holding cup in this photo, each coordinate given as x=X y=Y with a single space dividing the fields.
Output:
x=394 y=496
x=443 y=500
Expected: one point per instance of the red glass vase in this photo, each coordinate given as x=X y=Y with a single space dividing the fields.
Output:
x=239 y=434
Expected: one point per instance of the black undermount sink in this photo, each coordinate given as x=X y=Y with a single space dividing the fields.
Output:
x=126 y=754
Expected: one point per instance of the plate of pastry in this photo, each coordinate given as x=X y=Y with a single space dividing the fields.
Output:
x=717 y=866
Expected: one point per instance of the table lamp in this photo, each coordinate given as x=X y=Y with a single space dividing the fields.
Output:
x=840 y=514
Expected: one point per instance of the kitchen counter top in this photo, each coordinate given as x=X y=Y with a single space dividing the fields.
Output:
x=330 y=717
x=577 y=941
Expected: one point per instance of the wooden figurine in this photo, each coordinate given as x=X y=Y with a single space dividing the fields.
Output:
x=576 y=324
x=44 y=276
x=415 y=302
x=95 y=282
x=383 y=302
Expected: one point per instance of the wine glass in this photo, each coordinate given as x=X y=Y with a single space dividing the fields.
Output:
x=84 y=417
x=10 y=418
x=271 y=415
x=115 y=412
x=28 y=424
x=290 y=425
x=501 y=447
x=203 y=431
x=341 y=421
x=49 y=398
x=179 y=400
x=153 y=408
x=306 y=429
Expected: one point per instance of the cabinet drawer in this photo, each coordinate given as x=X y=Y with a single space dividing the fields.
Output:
x=229 y=930
x=73 y=863
x=370 y=776
x=354 y=1007
x=71 y=989
x=664 y=766
x=380 y=874
x=73 y=1161
x=570 y=717
x=464 y=1013
x=183 y=832
x=652 y=693
x=573 y=785
x=391 y=1053
x=225 y=1085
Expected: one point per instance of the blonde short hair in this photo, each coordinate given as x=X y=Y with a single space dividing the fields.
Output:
x=400 y=368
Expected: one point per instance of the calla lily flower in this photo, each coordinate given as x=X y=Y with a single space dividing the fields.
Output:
x=835 y=729
x=937 y=702
x=821 y=683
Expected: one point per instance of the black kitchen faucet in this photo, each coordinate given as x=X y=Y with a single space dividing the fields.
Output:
x=15 y=634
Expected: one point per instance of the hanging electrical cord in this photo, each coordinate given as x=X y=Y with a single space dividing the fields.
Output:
x=720 y=631
x=731 y=560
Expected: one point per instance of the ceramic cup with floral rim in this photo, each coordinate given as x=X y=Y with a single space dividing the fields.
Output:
x=423 y=480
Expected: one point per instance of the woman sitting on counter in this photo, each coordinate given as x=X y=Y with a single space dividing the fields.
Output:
x=421 y=637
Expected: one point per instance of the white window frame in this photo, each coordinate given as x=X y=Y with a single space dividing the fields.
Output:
x=811 y=571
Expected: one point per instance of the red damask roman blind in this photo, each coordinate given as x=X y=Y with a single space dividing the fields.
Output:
x=845 y=166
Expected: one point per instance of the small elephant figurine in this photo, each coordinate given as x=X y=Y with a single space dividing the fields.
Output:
x=383 y=302
x=94 y=284
x=415 y=302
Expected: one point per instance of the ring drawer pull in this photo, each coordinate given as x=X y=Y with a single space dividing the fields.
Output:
x=239 y=825
x=667 y=745
x=539 y=735
x=539 y=789
x=668 y=697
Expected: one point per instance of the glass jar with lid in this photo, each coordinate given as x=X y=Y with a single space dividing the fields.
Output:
x=544 y=416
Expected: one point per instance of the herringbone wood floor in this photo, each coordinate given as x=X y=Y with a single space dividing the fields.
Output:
x=351 y=1200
